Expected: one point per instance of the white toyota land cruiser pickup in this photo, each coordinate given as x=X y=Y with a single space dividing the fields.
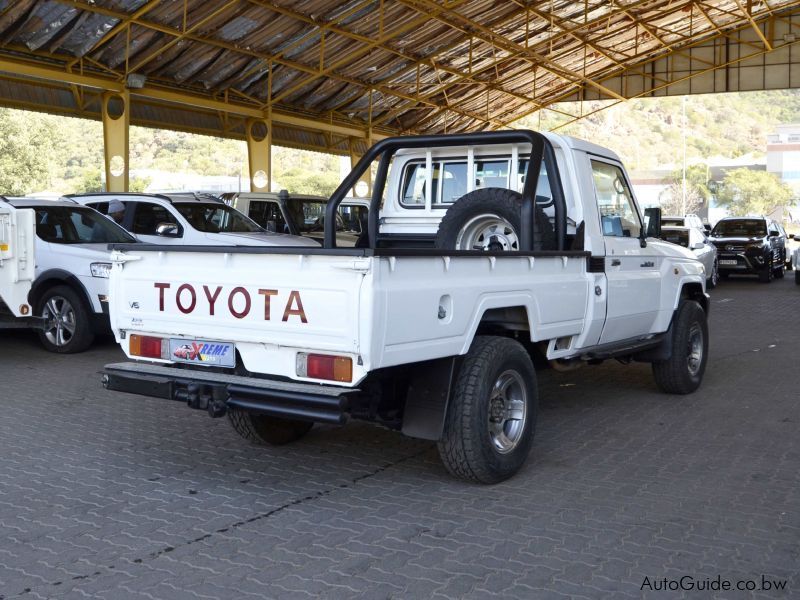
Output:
x=485 y=251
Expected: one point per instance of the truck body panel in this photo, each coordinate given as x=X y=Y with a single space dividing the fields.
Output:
x=17 y=263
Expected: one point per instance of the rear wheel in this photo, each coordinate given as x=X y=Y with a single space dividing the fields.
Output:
x=68 y=330
x=683 y=371
x=264 y=429
x=797 y=277
x=491 y=419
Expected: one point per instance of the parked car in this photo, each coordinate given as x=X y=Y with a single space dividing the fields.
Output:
x=300 y=214
x=438 y=341
x=796 y=262
x=750 y=245
x=686 y=221
x=696 y=241
x=186 y=219
x=70 y=290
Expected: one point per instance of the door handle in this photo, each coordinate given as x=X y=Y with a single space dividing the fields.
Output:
x=615 y=262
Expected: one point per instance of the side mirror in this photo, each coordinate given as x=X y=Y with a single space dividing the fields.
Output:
x=698 y=246
x=167 y=229
x=652 y=219
x=791 y=236
x=774 y=234
x=707 y=227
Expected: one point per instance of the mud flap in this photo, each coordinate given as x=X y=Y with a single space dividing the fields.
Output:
x=428 y=396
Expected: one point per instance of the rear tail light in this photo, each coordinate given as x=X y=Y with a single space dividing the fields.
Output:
x=325 y=366
x=148 y=347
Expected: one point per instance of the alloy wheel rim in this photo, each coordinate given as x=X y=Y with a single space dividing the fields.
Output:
x=694 y=358
x=508 y=411
x=61 y=321
x=487 y=232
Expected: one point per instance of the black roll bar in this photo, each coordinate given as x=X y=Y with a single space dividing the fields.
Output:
x=541 y=149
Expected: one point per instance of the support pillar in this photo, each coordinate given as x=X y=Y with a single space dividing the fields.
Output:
x=116 y=123
x=363 y=187
x=259 y=153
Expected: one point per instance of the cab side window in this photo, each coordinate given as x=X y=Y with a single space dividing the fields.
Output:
x=147 y=217
x=618 y=212
x=268 y=215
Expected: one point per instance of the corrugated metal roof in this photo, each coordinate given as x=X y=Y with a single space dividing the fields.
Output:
x=395 y=65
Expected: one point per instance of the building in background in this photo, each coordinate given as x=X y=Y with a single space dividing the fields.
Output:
x=783 y=155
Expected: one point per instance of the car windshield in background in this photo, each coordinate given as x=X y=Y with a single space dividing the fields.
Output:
x=309 y=215
x=740 y=228
x=216 y=218
x=680 y=237
x=672 y=222
x=78 y=225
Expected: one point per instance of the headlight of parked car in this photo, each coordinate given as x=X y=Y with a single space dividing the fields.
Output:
x=100 y=269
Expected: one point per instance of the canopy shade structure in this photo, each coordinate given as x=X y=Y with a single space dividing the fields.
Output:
x=333 y=75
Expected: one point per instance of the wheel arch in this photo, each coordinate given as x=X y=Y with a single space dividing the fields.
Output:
x=54 y=277
x=694 y=291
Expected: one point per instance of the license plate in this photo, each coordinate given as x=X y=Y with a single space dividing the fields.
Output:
x=203 y=352
x=729 y=262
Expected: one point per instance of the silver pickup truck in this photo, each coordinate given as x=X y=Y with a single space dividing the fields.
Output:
x=485 y=251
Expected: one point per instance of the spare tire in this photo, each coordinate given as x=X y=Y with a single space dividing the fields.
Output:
x=489 y=219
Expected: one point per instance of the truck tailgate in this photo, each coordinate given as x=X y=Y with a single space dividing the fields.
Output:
x=265 y=304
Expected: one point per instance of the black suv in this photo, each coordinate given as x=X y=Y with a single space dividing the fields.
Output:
x=750 y=245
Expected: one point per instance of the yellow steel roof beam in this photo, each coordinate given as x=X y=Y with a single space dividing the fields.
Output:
x=754 y=25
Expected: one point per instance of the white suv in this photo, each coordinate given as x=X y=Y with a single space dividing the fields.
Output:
x=72 y=265
x=186 y=219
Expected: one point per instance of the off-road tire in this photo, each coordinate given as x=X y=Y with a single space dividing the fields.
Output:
x=674 y=375
x=797 y=277
x=466 y=447
x=83 y=336
x=780 y=272
x=267 y=430
x=504 y=203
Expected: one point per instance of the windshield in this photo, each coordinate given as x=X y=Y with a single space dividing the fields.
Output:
x=216 y=218
x=676 y=236
x=77 y=225
x=740 y=228
x=672 y=222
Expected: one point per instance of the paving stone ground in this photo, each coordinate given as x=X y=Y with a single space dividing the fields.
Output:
x=105 y=495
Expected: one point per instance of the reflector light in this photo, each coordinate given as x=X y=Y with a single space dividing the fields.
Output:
x=332 y=368
x=146 y=346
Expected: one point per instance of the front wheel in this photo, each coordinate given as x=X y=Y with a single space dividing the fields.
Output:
x=683 y=371
x=712 y=281
x=491 y=419
x=263 y=429
x=67 y=330
x=766 y=274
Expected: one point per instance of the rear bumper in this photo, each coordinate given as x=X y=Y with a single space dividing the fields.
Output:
x=217 y=392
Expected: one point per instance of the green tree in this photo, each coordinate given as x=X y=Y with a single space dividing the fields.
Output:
x=26 y=152
x=744 y=191
x=89 y=181
x=138 y=184
x=677 y=201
